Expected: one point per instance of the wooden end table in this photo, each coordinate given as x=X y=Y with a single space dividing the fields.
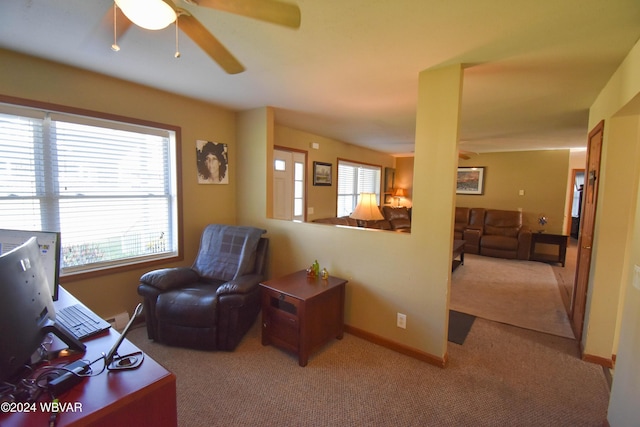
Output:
x=559 y=240
x=301 y=314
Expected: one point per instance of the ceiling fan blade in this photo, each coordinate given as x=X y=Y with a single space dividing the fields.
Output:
x=207 y=42
x=463 y=156
x=273 y=11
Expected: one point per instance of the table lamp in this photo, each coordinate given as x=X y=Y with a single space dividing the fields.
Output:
x=367 y=209
x=397 y=194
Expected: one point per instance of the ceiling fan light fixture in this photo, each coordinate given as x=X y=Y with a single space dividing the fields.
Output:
x=149 y=14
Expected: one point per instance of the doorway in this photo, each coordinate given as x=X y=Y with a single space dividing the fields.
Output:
x=289 y=185
x=587 y=226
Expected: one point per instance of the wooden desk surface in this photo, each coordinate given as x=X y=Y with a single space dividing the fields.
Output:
x=145 y=396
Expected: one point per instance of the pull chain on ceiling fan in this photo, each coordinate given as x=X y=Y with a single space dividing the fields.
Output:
x=158 y=14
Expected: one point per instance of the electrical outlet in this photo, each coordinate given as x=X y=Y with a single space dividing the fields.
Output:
x=402 y=321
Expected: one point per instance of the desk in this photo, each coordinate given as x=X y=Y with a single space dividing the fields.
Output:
x=141 y=397
x=301 y=314
x=558 y=240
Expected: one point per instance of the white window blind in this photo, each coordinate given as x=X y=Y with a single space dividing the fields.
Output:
x=110 y=188
x=353 y=179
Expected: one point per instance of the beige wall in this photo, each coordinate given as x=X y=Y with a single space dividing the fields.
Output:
x=404 y=178
x=203 y=204
x=541 y=174
x=323 y=198
x=617 y=240
x=387 y=272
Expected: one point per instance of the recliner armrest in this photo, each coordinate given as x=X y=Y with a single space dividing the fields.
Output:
x=169 y=278
x=240 y=285
x=524 y=243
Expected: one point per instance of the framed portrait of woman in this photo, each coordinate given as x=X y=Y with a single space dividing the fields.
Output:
x=212 y=162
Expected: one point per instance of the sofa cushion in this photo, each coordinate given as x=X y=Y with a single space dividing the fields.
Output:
x=501 y=231
x=399 y=218
x=343 y=220
x=379 y=224
x=499 y=242
x=461 y=219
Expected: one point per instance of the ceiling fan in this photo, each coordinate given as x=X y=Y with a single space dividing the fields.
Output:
x=139 y=12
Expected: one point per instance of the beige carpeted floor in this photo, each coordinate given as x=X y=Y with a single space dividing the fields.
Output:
x=519 y=293
x=501 y=376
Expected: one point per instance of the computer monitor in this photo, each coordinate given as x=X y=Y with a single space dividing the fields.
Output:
x=50 y=251
x=25 y=306
x=27 y=312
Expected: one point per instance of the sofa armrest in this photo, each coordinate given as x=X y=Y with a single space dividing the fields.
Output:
x=241 y=285
x=169 y=278
x=471 y=236
x=524 y=243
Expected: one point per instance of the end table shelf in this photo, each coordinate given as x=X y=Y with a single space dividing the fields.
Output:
x=559 y=240
x=301 y=314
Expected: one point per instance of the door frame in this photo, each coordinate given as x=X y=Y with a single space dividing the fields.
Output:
x=587 y=227
x=305 y=153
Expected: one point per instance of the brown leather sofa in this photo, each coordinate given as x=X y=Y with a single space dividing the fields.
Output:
x=468 y=226
x=493 y=232
x=381 y=224
x=399 y=218
x=504 y=236
x=396 y=219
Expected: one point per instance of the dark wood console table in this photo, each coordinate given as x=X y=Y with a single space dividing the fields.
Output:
x=301 y=314
x=559 y=240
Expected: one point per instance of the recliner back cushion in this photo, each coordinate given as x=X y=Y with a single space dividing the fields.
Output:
x=227 y=252
x=476 y=218
x=461 y=219
x=502 y=223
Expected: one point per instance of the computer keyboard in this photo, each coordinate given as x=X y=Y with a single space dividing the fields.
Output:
x=80 y=321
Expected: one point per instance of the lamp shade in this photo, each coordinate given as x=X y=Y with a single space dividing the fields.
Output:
x=399 y=192
x=149 y=14
x=367 y=208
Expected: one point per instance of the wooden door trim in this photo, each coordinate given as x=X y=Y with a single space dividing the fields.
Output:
x=583 y=266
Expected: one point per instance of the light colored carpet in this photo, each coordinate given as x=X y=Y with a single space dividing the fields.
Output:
x=501 y=376
x=519 y=293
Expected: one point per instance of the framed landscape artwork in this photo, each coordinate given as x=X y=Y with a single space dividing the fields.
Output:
x=470 y=180
x=321 y=173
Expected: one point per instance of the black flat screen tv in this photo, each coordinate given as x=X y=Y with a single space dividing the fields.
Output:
x=26 y=306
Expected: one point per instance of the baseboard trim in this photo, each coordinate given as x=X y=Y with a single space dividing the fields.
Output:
x=441 y=362
x=602 y=361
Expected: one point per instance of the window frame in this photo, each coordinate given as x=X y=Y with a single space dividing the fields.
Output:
x=379 y=191
x=144 y=264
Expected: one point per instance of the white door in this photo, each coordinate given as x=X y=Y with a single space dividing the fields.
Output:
x=288 y=185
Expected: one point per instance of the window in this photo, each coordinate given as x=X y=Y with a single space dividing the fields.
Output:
x=353 y=179
x=109 y=187
x=298 y=190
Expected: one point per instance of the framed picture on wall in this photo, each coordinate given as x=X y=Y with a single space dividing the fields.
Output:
x=321 y=173
x=212 y=162
x=470 y=180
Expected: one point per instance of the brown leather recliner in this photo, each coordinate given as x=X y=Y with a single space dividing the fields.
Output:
x=212 y=304
x=399 y=218
x=504 y=236
x=461 y=221
x=468 y=226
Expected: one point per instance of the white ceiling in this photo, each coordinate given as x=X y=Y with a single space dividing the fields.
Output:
x=350 y=71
